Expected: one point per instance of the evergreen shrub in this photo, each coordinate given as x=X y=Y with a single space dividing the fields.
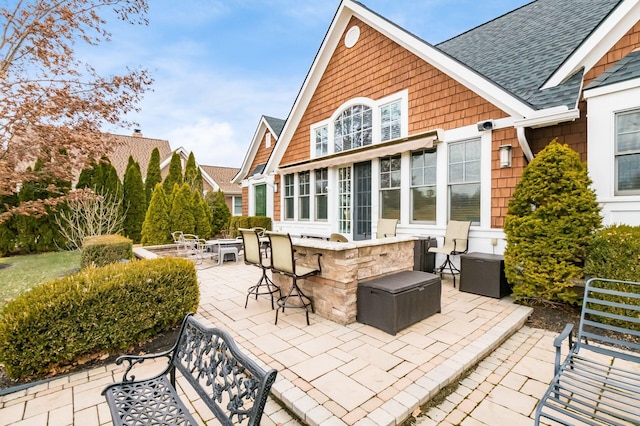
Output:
x=236 y=222
x=549 y=222
x=101 y=250
x=614 y=253
x=96 y=310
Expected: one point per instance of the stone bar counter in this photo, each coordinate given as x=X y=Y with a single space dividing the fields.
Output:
x=343 y=265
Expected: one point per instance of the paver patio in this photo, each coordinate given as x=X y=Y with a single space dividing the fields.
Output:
x=331 y=374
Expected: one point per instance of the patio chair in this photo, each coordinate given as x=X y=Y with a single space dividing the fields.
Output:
x=386 y=228
x=456 y=240
x=253 y=256
x=338 y=238
x=283 y=261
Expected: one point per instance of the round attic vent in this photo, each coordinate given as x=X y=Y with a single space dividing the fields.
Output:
x=352 y=37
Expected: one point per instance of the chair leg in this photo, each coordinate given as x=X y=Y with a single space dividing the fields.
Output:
x=264 y=286
x=295 y=291
x=453 y=270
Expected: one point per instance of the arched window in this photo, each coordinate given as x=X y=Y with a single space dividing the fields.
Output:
x=353 y=128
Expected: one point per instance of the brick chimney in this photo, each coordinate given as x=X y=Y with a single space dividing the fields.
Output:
x=137 y=133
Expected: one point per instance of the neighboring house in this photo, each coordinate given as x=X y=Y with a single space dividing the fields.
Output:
x=257 y=186
x=221 y=177
x=138 y=147
x=387 y=125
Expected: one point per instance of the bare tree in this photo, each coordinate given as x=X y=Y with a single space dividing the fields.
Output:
x=52 y=105
x=88 y=214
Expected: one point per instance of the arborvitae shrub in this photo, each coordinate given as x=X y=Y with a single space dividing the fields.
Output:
x=95 y=310
x=174 y=177
x=135 y=202
x=219 y=211
x=102 y=250
x=202 y=219
x=156 y=229
x=154 y=175
x=181 y=215
x=549 y=221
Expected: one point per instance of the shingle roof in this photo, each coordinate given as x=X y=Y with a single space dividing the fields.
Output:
x=222 y=176
x=276 y=124
x=140 y=149
x=625 y=69
x=520 y=50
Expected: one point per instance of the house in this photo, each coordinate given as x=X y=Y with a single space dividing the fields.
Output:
x=387 y=125
x=258 y=186
x=140 y=148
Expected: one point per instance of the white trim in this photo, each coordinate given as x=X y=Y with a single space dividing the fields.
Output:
x=254 y=146
x=621 y=20
x=612 y=88
x=548 y=117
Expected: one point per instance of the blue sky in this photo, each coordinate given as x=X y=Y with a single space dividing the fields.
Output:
x=220 y=65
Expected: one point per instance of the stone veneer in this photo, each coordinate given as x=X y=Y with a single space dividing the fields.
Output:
x=343 y=265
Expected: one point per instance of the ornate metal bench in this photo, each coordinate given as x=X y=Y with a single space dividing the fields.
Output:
x=232 y=385
x=599 y=381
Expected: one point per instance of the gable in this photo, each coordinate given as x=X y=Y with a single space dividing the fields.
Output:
x=377 y=66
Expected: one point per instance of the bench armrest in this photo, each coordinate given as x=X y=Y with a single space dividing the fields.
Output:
x=133 y=360
x=557 y=342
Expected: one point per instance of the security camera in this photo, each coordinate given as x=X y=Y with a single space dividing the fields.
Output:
x=485 y=125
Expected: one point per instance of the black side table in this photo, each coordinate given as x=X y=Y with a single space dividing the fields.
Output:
x=483 y=274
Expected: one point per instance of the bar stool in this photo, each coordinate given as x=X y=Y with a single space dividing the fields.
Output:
x=282 y=261
x=253 y=256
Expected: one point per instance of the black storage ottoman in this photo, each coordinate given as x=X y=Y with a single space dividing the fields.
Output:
x=396 y=301
x=483 y=274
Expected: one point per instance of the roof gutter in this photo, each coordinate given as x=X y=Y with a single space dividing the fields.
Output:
x=543 y=118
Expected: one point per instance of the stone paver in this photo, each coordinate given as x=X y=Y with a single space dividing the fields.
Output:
x=331 y=374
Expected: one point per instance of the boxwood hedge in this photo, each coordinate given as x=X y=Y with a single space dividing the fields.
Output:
x=95 y=310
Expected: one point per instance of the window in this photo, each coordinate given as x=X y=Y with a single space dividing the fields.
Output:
x=464 y=181
x=322 y=141
x=344 y=200
x=423 y=186
x=361 y=122
x=303 y=195
x=237 y=206
x=390 y=187
x=288 y=196
x=628 y=152
x=352 y=128
x=390 y=116
x=267 y=140
x=261 y=200
x=321 y=186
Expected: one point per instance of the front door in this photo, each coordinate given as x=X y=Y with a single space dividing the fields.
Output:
x=362 y=201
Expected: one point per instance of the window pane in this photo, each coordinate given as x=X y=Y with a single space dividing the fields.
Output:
x=304 y=208
x=628 y=122
x=629 y=142
x=423 y=201
x=321 y=207
x=465 y=202
x=456 y=153
x=390 y=204
x=288 y=208
x=417 y=176
x=456 y=173
x=628 y=172
x=472 y=150
x=395 y=178
x=472 y=171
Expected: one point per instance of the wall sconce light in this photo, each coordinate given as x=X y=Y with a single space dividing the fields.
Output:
x=505 y=156
x=275 y=187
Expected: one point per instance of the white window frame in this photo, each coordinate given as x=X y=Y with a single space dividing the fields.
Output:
x=465 y=182
x=412 y=186
x=617 y=154
x=233 y=200
x=304 y=194
x=289 y=195
x=401 y=96
x=323 y=193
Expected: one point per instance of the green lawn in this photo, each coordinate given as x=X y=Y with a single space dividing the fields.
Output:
x=27 y=271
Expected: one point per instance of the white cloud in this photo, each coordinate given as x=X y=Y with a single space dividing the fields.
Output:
x=212 y=143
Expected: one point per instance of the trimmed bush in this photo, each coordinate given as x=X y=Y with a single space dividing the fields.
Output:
x=236 y=222
x=614 y=253
x=101 y=250
x=95 y=310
